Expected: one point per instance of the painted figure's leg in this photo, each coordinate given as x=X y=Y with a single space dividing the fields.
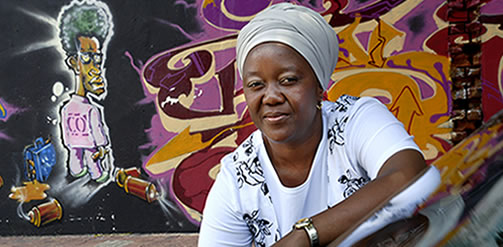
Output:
x=94 y=166
x=76 y=163
x=105 y=170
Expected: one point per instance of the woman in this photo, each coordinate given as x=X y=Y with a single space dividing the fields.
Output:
x=313 y=169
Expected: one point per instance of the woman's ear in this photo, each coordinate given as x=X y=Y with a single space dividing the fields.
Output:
x=71 y=62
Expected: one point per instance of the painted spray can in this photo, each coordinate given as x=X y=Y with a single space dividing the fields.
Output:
x=122 y=174
x=140 y=188
x=45 y=213
x=132 y=184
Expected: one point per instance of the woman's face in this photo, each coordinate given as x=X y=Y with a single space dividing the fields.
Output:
x=281 y=92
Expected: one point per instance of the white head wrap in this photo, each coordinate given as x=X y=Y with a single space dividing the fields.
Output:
x=299 y=27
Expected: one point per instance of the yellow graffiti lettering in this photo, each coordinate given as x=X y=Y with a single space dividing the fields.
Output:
x=180 y=147
x=466 y=158
x=357 y=55
x=206 y=2
x=411 y=84
x=406 y=107
x=379 y=43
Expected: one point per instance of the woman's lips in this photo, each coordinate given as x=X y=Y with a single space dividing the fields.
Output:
x=275 y=117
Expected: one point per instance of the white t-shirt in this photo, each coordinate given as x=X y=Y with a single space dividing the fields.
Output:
x=248 y=202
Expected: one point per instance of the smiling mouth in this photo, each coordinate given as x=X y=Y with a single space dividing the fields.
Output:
x=275 y=117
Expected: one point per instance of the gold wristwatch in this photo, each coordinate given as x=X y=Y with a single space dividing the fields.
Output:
x=307 y=225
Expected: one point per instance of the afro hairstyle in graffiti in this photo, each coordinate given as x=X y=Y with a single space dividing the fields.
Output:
x=84 y=18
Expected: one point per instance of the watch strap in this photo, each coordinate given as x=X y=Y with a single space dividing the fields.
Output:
x=307 y=225
x=312 y=234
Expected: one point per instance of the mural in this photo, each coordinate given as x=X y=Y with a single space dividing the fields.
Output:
x=114 y=115
x=61 y=173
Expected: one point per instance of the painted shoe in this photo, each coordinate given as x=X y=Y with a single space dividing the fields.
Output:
x=103 y=178
x=80 y=174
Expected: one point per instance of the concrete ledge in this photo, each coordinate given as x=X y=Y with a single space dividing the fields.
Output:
x=105 y=240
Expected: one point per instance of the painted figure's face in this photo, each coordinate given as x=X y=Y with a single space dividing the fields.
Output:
x=88 y=65
x=281 y=92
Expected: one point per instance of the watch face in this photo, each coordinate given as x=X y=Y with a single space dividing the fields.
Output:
x=302 y=223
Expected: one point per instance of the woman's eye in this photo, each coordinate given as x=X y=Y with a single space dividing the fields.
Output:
x=254 y=84
x=288 y=80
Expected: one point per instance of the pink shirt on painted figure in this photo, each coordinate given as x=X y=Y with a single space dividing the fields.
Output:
x=82 y=125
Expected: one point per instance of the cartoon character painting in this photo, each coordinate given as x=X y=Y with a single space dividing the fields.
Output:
x=85 y=29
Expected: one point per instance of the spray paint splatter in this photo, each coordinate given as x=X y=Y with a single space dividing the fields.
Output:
x=7 y=110
x=29 y=191
x=57 y=90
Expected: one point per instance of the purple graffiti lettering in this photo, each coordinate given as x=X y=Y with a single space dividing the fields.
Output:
x=213 y=13
x=446 y=85
x=418 y=25
x=357 y=5
x=371 y=12
x=425 y=89
x=174 y=82
x=363 y=37
x=344 y=51
x=378 y=9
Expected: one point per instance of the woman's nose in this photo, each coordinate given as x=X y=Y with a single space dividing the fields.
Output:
x=273 y=95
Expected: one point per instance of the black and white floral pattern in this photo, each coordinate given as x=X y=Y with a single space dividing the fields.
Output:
x=335 y=133
x=248 y=168
x=258 y=213
x=246 y=149
x=342 y=104
x=251 y=173
x=338 y=124
x=260 y=228
x=352 y=183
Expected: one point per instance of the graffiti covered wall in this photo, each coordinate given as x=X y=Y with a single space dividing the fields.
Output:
x=114 y=115
x=66 y=112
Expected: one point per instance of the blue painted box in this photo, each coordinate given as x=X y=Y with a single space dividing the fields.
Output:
x=39 y=158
